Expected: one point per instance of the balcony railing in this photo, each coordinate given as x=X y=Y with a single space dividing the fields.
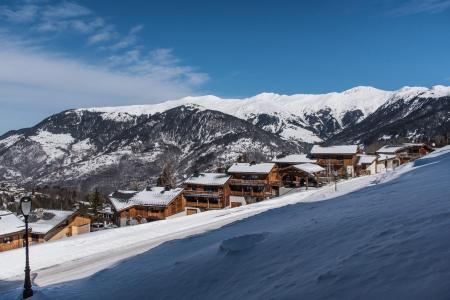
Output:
x=203 y=204
x=247 y=182
x=202 y=193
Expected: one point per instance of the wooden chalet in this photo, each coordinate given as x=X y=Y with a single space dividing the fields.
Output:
x=298 y=170
x=366 y=164
x=405 y=152
x=254 y=181
x=50 y=225
x=12 y=230
x=151 y=204
x=337 y=159
x=205 y=191
x=387 y=162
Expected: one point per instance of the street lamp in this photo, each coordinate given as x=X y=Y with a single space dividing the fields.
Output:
x=25 y=208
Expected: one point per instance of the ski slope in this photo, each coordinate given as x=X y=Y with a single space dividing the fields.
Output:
x=383 y=236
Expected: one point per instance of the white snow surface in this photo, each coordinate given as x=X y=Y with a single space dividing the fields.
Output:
x=43 y=226
x=309 y=168
x=399 y=246
x=294 y=159
x=157 y=196
x=53 y=144
x=208 y=179
x=366 y=159
x=340 y=149
x=10 y=223
x=259 y=168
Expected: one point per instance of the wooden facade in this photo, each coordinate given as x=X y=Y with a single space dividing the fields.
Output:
x=74 y=225
x=206 y=197
x=135 y=213
x=339 y=160
x=406 y=152
x=257 y=186
x=292 y=177
x=12 y=240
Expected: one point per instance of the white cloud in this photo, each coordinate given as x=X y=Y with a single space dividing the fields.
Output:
x=23 y=14
x=38 y=77
x=421 y=6
x=65 y=10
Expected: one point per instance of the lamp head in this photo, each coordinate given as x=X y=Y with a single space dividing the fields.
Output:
x=25 y=205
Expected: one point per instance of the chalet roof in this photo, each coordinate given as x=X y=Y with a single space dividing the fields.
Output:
x=391 y=149
x=338 y=150
x=208 y=179
x=261 y=168
x=157 y=196
x=43 y=220
x=364 y=159
x=309 y=168
x=10 y=223
x=383 y=157
x=294 y=159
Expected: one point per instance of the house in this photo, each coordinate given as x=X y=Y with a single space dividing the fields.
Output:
x=340 y=159
x=12 y=230
x=50 y=225
x=151 y=204
x=366 y=164
x=205 y=191
x=387 y=162
x=405 y=152
x=298 y=170
x=254 y=181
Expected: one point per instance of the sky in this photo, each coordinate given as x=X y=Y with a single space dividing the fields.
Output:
x=57 y=55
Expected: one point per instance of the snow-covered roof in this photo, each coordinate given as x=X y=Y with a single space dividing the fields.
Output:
x=208 y=179
x=50 y=219
x=10 y=223
x=364 y=159
x=391 y=149
x=157 y=196
x=340 y=150
x=383 y=157
x=309 y=168
x=294 y=159
x=261 y=168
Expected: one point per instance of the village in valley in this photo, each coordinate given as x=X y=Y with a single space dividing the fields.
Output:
x=242 y=183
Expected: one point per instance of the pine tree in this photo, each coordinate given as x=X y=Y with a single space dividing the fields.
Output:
x=167 y=178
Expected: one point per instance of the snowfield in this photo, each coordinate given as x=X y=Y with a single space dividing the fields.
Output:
x=378 y=237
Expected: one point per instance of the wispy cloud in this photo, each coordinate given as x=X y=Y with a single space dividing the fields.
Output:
x=32 y=75
x=411 y=7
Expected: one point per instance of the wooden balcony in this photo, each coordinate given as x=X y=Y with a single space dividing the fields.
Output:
x=248 y=182
x=332 y=162
x=250 y=194
x=203 y=204
x=205 y=194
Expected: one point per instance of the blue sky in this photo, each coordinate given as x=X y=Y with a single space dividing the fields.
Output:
x=56 y=55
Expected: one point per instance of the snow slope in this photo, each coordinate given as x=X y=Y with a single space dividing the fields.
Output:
x=388 y=240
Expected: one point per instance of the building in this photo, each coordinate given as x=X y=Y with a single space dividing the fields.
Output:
x=366 y=164
x=298 y=170
x=151 y=204
x=405 y=152
x=387 y=162
x=50 y=225
x=337 y=159
x=205 y=191
x=254 y=181
x=12 y=230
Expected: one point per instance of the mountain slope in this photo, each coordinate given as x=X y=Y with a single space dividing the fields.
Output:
x=385 y=241
x=84 y=149
x=413 y=115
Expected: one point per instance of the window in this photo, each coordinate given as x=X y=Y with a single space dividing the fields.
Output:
x=7 y=240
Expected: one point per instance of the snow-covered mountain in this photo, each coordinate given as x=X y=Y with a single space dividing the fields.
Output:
x=113 y=146
x=84 y=148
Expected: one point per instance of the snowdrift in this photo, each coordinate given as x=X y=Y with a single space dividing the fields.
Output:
x=386 y=241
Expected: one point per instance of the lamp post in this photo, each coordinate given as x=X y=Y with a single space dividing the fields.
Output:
x=25 y=207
